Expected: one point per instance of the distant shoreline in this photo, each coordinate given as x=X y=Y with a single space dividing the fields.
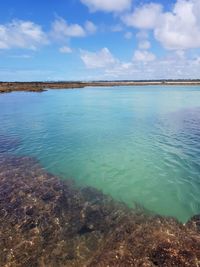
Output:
x=6 y=87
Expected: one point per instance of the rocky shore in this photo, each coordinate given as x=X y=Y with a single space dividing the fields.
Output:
x=6 y=87
x=45 y=221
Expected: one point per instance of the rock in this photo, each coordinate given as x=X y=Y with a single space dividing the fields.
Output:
x=194 y=222
x=48 y=196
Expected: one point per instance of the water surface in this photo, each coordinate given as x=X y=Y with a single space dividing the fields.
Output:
x=138 y=144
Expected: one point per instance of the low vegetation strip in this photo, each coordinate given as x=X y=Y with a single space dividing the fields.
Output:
x=6 y=87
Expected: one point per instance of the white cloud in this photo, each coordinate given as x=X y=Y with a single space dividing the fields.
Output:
x=128 y=35
x=144 y=17
x=100 y=59
x=180 y=54
x=107 y=5
x=61 y=29
x=144 y=44
x=21 y=34
x=112 y=67
x=142 y=35
x=90 y=27
x=65 y=50
x=29 y=35
x=178 y=29
x=143 y=55
x=166 y=68
x=116 y=28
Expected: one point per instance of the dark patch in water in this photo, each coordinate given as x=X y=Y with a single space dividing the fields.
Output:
x=188 y=123
x=47 y=222
x=8 y=143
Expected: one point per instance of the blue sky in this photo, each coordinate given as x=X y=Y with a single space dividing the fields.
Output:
x=99 y=39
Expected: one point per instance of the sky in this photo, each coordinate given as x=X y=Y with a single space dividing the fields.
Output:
x=48 y=40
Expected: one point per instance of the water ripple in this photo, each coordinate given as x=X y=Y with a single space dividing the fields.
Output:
x=137 y=145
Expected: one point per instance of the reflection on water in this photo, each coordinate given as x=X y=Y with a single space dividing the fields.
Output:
x=137 y=144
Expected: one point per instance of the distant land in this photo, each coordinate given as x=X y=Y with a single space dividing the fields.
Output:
x=6 y=87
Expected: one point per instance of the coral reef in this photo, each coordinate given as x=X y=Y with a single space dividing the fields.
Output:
x=45 y=221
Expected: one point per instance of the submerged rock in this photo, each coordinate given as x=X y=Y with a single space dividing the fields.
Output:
x=47 y=222
x=194 y=223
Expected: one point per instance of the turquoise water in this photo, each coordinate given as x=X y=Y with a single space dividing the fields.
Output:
x=138 y=144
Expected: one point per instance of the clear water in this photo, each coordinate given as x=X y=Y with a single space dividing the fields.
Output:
x=138 y=144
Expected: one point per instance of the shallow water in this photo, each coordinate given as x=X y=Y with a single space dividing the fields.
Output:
x=138 y=144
